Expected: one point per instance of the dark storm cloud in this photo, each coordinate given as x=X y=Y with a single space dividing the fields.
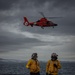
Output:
x=7 y=40
x=8 y=43
x=65 y=4
x=7 y=19
x=7 y=4
x=35 y=3
x=62 y=4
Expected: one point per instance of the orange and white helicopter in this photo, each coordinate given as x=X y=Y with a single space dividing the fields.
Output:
x=43 y=22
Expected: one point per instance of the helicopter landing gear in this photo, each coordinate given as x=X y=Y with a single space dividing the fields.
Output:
x=42 y=27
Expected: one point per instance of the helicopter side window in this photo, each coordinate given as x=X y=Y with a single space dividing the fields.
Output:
x=47 y=22
x=38 y=21
x=51 y=23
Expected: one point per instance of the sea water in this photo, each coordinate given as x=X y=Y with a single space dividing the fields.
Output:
x=19 y=68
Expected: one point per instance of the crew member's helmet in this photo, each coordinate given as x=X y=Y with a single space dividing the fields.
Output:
x=34 y=56
x=54 y=56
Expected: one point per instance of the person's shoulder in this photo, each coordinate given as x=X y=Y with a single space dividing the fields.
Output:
x=49 y=60
x=57 y=60
x=30 y=60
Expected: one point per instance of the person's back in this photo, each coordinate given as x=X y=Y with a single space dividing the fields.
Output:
x=53 y=65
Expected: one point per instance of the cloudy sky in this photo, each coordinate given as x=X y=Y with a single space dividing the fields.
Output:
x=19 y=42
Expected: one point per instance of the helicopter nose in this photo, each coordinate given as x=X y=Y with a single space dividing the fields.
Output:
x=55 y=24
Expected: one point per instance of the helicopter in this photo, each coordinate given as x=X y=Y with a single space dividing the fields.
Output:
x=43 y=22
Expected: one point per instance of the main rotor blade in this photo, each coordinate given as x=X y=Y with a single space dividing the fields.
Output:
x=50 y=17
x=42 y=14
x=54 y=17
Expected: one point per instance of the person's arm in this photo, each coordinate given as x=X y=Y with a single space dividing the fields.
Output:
x=59 y=65
x=47 y=67
x=38 y=64
x=28 y=64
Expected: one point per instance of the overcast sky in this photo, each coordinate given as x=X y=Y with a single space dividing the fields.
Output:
x=19 y=42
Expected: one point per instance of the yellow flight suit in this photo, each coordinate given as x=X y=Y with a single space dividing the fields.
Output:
x=33 y=65
x=50 y=69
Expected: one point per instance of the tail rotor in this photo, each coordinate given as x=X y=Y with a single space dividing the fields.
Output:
x=26 y=23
